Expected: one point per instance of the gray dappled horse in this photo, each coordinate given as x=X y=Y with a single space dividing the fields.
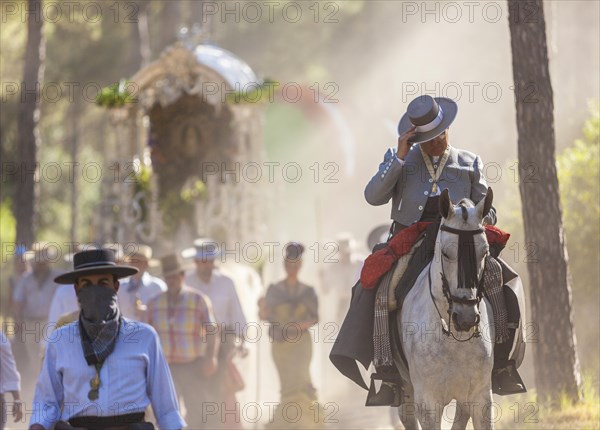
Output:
x=446 y=328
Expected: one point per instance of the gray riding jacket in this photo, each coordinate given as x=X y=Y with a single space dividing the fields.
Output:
x=408 y=183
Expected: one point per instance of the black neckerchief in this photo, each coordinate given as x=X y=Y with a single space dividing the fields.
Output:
x=96 y=350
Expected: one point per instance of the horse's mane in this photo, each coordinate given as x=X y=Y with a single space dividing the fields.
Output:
x=467 y=267
x=464 y=204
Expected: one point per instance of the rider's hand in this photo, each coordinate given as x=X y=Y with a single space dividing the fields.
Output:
x=403 y=143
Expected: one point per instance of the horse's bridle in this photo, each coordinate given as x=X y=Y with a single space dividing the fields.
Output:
x=448 y=294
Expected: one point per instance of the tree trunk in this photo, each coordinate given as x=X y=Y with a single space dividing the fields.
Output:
x=28 y=125
x=196 y=17
x=169 y=19
x=141 y=49
x=74 y=113
x=555 y=354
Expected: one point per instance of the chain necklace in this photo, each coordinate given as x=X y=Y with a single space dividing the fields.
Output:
x=435 y=173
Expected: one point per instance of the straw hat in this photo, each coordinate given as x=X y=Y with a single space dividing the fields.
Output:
x=171 y=264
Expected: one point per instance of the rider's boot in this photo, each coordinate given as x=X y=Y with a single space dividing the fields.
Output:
x=390 y=393
x=505 y=378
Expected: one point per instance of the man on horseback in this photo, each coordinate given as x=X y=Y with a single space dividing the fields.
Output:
x=413 y=176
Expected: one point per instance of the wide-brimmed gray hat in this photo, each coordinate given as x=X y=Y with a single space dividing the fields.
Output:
x=94 y=262
x=432 y=116
x=204 y=249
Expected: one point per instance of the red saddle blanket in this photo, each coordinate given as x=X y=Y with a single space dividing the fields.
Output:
x=378 y=263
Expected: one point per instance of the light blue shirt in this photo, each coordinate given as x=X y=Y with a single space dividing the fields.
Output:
x=133 y=376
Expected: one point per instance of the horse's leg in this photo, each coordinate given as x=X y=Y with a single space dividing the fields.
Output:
x=461 y=417
x=430 y=411
x=407 y=411
x=482 y=412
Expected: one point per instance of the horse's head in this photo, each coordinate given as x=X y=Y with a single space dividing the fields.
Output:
x=462 y=248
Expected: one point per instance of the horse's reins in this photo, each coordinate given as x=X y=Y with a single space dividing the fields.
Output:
x=448 y=294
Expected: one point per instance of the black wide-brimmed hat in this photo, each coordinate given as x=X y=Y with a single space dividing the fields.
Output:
x=431 y=116
x=94 y=262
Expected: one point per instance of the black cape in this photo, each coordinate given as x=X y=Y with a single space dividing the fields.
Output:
x=355 y=339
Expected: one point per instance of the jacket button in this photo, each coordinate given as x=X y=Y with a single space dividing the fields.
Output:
x=430 y=180
x=420 y=208
x=426 y=192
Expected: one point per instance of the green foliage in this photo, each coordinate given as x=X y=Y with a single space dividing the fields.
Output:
x=179 y=206
x=143 y=178
x=8 y=227
x=115 y=95
x=578 y=174
x=192 y=190
x=82 y=55
x=526 y=411
x=591 y=128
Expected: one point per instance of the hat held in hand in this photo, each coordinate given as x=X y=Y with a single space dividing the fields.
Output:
x=431 y=116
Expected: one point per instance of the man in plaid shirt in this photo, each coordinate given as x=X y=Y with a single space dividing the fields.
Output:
x=184 y=320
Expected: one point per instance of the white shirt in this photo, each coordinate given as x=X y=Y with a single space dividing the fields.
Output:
x=35 y=296
x=150 y=286
x=221 y=292
x=133 y=376
x=64 y=302
x=10 y=379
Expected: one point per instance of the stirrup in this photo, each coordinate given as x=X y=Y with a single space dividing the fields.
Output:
x=390 y=393
x=499 y=386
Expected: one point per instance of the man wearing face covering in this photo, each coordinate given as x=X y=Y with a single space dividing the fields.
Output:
x=102 y=371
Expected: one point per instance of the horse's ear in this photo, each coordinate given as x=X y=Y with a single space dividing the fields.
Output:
x=446 y=207
x=484 y=206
